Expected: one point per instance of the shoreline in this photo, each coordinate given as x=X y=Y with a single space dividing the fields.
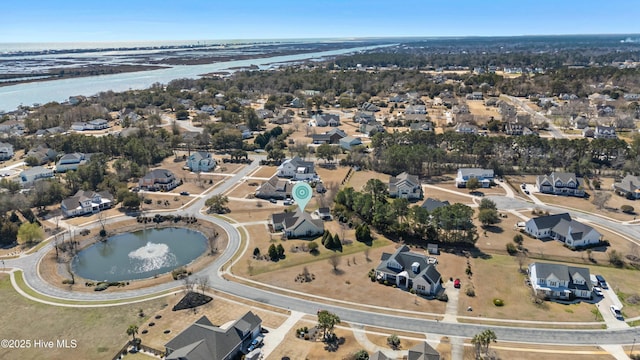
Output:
x=54 y=271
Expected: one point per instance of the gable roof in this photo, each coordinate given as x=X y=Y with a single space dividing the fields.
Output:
x=431 y=204
x=423 y=351
x=475 y=172
x=629 y=183
x=379 y=355
x=549 y=221
x=203 y=340
x=577 y=229
x=412 y=180
x=406 y=258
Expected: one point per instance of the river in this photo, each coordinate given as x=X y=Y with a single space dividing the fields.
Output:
x=59 y=90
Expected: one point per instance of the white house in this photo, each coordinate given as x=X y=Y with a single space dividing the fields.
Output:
x=409 y=270
x=349 y=142
x=323 y=120
x=71 y=162
x=560 y=183
x=297 y=224
x=86 y=202
x=29 y=176
x=405 y=186
x=605 y=132
x=466 y=128
x=297 y=169
x=6 y=151
x=557 y=281
x=201 y=161
x=564 y=229
x=484 y=176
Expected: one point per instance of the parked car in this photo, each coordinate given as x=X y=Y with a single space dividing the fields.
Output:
x=456 y=284
x=616 y=312
x=597 y=291
x=526 y=192
x=273 y=201
x=185 y=193
x=288 y=202
x=602 y=282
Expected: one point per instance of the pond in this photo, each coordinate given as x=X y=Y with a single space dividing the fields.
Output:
x=139 y=255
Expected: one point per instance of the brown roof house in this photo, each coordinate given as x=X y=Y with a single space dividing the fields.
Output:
x=203 y=340
x=158 y=179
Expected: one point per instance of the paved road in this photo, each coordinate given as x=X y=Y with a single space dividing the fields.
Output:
x=547 y=336
x=553 y=130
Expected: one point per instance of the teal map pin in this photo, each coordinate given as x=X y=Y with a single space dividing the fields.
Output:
x=302 y=193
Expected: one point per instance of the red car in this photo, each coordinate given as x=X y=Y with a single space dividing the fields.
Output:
x=456 y=284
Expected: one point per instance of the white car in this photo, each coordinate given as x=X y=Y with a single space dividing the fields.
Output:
x=616 y=312
x=597 y=291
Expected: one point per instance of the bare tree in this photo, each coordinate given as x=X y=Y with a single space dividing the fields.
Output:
x=213 y=243
x=102 y=219
x=203 y=283
x=366 y=254
x=334 y=260
x=600 y=199
x=521 y=258
x=70 y=271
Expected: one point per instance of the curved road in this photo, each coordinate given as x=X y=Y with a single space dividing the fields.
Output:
x=548 y=336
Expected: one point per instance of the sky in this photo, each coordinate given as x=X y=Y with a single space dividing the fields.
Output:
x=141 y=20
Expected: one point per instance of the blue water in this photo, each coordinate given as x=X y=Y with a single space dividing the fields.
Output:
x=60 y=90
x=139 y=255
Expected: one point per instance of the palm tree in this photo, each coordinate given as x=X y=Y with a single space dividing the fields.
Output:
x=133 y=331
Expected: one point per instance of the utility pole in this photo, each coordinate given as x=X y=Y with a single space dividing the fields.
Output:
x=630 y=353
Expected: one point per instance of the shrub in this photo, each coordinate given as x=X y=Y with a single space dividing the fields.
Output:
x=511 y=249
x=498 y=302
x=443 y=297
x=67 y=282
x=627 y=209
x=101 y=287
x=470 y=291
x=313 y=247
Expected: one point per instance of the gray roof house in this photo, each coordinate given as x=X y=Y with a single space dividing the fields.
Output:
x=203 y=340
x=560 y=183
x=29 y=176
x=379 y=355
x=629 y=187
x=431 y=204
x=562 y=228
x=6 y=151
x=274 y=188
x=557 y=281
x=297 y=169
x=349 y=142
x=296 y=224
x=605 y=132
x=540 y=227
x=71 y=161
x=371 y=128
x=158 y=179
x=405 y=186
x=409 y=270
x=43 y=154
x=423 y=351
x=201 y=161
x=86 y=202
x=332 y=136
x=421 y=126
x=323 y=120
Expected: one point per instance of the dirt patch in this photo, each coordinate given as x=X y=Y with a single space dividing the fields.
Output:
x=265 y=172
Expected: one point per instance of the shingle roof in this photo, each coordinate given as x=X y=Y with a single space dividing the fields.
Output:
x=423 y=351
x=431 y=204
x=406 y=258
x=629 y=183
x=578 y=229
x=549 y=221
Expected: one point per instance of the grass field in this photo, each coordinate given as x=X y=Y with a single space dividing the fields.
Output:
x=99 y=332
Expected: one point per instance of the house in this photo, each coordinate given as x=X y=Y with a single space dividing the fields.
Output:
x=296 y=224
x=158 y=179
x=398 y=99
x=484 y=176
x=579 y=122
x=245 y=131
x=371 y=128
x=43 y=154
x=476 y=95
x=629 y=187
x=13 y=127
x=423 y=351
x=605 y=132
x=201 y=161
x=348 y=142
x=29 y=176
x=203 y=340
x=560 y=183
x=97 y=124
x=50 y=131
x=281 y=119
x=421 y=126
x=405 y=186
x=367 y=106
x=6 y=151
x=323 y=120
x=379 y=355
x=297 y=103
x=332 y=136
x=562 y=228
x=71 y=161
x=465 y=128
x=415 y=109
x=297 y=169
x=274 y=188
x=362 y=117
x=588 y=132
x=86 y=202
x=557 y=281
x=410 y=270
x=265 y=114
x=431 y=204
x=605 y=110
x=512 y=128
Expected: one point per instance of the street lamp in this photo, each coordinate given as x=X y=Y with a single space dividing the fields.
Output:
x=632 y=346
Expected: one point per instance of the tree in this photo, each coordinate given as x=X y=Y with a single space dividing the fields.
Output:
x=273 y=252
x=361 y=355
x=29 y=233
x=394 y=341
x=276 y=155
x=327 y=322
x=217 y=204
x=487 y=204
x=482 y=341
x=518 y=239
x=313 y=247
x=363 y=233
x=280 y=251
x=203 y=283
x=327 y=152
x=521 y=257
x=132 y=330
x=334 y=260
x=600 y=199
x=488 y=216
x=182 y=114
x=473 y=184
